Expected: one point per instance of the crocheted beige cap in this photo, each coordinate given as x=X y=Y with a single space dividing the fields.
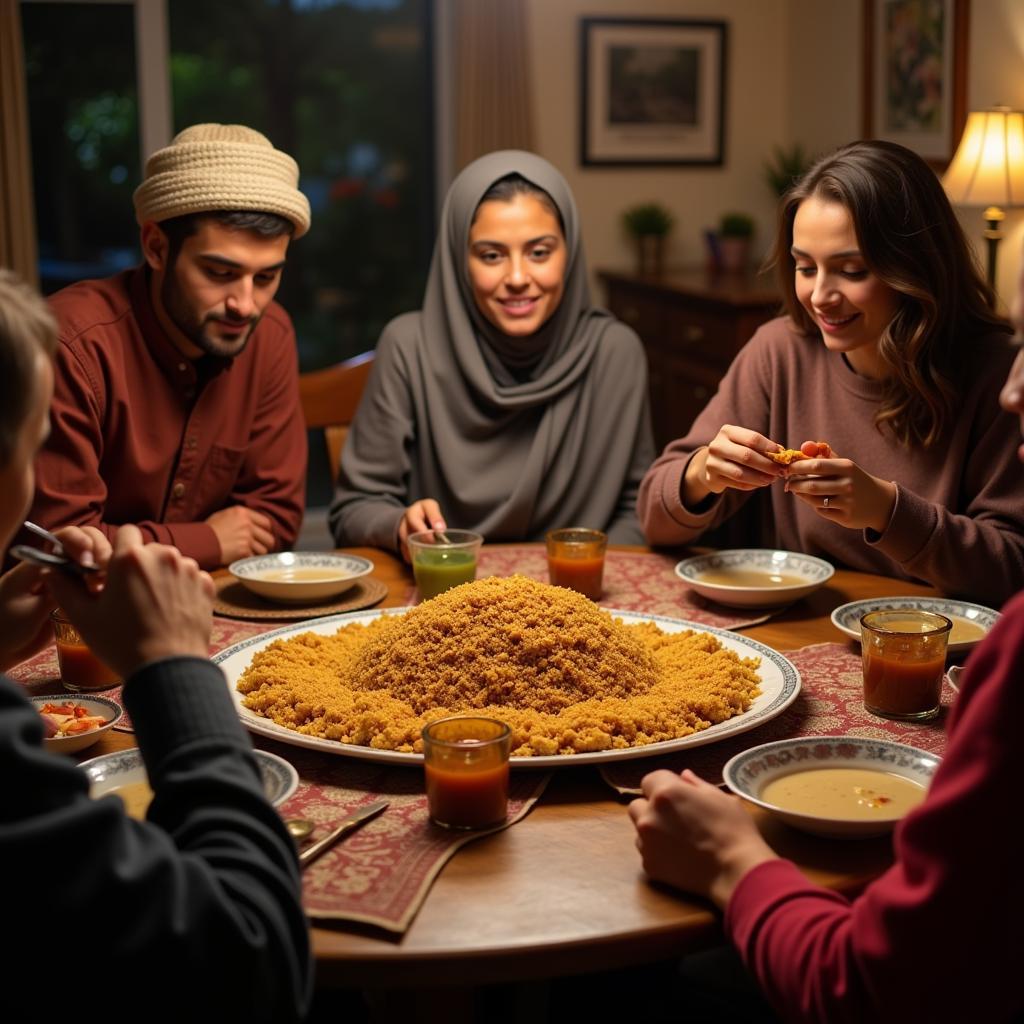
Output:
x=221 y=167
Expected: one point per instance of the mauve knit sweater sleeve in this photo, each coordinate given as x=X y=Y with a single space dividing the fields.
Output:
x=938 y=937
x=959 y=517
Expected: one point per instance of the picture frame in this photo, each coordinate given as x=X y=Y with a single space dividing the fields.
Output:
x=652 y=92
x=914 y=82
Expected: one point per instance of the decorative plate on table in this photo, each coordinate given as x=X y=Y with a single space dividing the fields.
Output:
x=780 y=684
x=111 y=771
x=970 y=621
x=754 y=577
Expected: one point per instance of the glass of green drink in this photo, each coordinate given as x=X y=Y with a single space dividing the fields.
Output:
x=442 y=559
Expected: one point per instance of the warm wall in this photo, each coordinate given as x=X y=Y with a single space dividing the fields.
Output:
x=755 y=121
x=794 y=74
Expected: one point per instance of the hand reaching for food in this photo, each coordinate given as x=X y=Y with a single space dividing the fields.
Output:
x=737 y=458
x=839 y=490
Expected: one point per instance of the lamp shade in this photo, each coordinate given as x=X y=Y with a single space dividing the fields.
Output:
x=988 y=166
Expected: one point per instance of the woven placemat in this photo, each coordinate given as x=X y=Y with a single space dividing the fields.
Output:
x=236 y=602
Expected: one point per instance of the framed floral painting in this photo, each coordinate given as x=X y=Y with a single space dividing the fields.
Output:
x=915 y=64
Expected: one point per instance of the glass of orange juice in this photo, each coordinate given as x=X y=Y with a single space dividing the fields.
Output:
x=466 y=764
x=904 y=653
x=576 y=559
x=80 y=669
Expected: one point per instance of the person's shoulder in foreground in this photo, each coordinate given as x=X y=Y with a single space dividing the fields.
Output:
x=195 y=912
x=176 y=406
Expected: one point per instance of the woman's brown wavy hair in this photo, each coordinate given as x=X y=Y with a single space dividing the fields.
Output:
x=911 y=240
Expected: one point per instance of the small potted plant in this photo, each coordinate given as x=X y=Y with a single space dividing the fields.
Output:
x=785 y=167
x=649 y=224
x=735 y=233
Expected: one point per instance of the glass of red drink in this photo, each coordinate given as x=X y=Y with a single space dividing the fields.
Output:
x=80 y=669
x=904 y=659
x=466 y=764
x=576 y=560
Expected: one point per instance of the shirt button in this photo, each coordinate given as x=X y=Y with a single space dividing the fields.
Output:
x=178 y=490
x=191 y=442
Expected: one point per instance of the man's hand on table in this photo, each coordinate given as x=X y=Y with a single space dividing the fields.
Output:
x=241 y=532
x=25 y=603
x=695 y=837
x=156 y=603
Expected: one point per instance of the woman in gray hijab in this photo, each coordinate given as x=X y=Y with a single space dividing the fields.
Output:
x=509 y=404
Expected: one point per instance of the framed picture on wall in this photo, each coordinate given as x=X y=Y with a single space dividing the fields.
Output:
x=915 y=74
x=652 y=92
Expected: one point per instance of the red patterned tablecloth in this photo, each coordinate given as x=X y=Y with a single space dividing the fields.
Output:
x=381 y=874
x=633 y=581
x=830 y=703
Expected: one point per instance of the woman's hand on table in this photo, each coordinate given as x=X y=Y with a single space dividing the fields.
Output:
x=421 y=515
x=25 y=603
x=737 y=458
x=693 y=836
x=156 y=603
x=855 y=499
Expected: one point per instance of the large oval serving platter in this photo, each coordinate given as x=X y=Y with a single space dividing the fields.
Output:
x=780 y=684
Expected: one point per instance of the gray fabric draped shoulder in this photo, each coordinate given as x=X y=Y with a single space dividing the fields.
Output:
x=511 y=436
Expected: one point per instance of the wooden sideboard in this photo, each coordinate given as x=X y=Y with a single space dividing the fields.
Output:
x=692 y=324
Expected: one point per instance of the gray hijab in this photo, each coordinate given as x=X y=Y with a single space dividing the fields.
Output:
x=507 y=434
x=559 y=353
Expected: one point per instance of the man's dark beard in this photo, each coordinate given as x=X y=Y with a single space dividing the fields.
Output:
x=194 y=330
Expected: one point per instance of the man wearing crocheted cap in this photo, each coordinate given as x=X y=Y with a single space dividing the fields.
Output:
x=176 y=402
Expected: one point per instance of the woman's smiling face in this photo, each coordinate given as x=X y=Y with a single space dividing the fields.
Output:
x=850 y=305
x=517 y=262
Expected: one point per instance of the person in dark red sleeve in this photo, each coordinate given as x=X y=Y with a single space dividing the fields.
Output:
x=176 y=404
x=939 y=936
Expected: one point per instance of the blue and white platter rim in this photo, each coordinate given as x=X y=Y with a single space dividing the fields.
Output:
x=816 y=570
x=280 y=779
x=348 y=566
x=780 y=686
x=846 y=617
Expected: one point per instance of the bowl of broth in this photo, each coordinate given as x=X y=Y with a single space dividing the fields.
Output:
x=971 y=622
x=124 y=774
x=754 y=577
x=840 y=787
x=300 y=577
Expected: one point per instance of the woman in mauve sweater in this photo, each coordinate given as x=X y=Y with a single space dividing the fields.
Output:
x=891 y=354
x=936 y=938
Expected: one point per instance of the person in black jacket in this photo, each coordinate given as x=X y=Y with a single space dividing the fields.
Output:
x=196 y=912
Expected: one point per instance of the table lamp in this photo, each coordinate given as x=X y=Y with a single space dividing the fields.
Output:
x=988 y=170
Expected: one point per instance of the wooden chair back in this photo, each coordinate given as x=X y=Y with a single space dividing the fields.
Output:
x=330 y=398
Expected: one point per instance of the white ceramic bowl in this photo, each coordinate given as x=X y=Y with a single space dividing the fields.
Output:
x=300 y=577
x=109 y=709
x=110 y=771
x=759 y=566
x=970 y=621
x=748 y=773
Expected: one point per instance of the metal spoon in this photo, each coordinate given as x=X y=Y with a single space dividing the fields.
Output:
x=299 y=828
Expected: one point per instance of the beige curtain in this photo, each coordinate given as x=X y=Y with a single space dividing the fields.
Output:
x=492 y=78
x=17 y=221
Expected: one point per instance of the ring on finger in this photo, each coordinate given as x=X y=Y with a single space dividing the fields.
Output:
x=824 y=504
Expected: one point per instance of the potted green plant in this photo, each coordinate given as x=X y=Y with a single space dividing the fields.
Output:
x=785 y=167
x=649 y=224
x=735 y=233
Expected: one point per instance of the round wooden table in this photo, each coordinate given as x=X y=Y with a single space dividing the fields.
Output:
x=562 y=891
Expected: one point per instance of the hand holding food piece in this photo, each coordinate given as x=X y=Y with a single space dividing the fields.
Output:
x=808 y=450
x=839 y=490
x=737 y=458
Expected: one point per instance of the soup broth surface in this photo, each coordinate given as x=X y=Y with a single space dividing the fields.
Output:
x=136 y=797
x=964 y=630
x=848 y=794
x=737 y=577
x=303 y=574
